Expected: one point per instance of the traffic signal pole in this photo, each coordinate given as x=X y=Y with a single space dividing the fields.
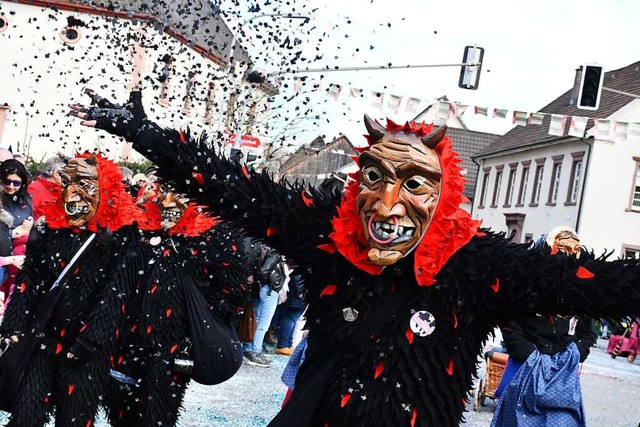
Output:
x=375 y=68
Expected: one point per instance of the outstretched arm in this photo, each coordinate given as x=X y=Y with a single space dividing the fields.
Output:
x=507 y=280
x=291 y=218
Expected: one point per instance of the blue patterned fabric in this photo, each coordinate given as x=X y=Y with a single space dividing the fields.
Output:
x=544 y=392
x=296 y=359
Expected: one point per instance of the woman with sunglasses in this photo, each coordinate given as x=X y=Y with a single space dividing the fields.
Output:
x=17 y=202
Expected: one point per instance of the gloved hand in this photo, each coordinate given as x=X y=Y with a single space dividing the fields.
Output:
x=126 y=120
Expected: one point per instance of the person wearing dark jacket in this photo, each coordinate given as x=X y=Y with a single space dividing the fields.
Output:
x=267 y=280
x=287 y=314
x=403 y=286
x=546 y=390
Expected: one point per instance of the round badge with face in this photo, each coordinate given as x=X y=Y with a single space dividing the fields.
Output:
x=399 y=191
x=422 y=323
x=81 y=190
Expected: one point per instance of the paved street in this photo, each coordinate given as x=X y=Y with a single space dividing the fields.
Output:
x=252 y=397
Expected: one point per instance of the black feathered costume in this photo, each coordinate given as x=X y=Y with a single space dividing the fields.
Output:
x=197 y=251
x=393 y=346
x=86 y=318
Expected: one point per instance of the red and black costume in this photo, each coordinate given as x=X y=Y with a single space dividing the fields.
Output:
x=197 y=249
x=416 y=364
x=71 y=367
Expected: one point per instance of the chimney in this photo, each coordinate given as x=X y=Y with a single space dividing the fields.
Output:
x=573 y=98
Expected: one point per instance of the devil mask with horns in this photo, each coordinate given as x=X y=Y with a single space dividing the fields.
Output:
x=405 y=199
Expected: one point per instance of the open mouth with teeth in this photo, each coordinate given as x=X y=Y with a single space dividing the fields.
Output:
x=76 y=209
x=171 y=217
x=389 y=233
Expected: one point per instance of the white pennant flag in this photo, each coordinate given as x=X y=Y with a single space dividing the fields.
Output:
x=412 y=105
x=621 y=130
x=557 y=124
x=483 y=111
x=500 y=113
x=393 y=102
x=634 y=131
x=443 y=110
x=377 y=99
x=521 y=118
x=603 y=128
x=578 y=126
x=356 y=93
x=333 y=91
x=297 y=84
x=536 y=118
x=459 y=109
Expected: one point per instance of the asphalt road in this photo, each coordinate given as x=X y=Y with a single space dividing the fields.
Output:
x=611 y=388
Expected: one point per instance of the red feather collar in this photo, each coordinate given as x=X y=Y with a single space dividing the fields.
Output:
x=451 y=226
x=193 y=223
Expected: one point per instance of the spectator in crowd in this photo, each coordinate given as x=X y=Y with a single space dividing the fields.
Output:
x=48 y=186
x=287 y=315
x=6 y=248
x=546 y=388
x=17 y=202
x=267 y=280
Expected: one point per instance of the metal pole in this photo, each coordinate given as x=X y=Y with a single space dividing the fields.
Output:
x=375 y=68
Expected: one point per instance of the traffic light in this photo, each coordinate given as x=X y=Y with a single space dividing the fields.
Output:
x=590 y=87
x=470 y=73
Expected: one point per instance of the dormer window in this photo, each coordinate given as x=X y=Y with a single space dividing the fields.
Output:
x=72 y=33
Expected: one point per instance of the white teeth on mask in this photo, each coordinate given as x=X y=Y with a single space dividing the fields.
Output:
x=385 y=230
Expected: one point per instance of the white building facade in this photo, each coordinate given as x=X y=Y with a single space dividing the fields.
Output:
x=52 y=50
x=530 y=182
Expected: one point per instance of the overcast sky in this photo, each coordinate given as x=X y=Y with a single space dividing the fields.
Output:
x=531 y=50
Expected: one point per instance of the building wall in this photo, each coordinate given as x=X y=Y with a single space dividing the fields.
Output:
x=538 y=219
x=41 y=75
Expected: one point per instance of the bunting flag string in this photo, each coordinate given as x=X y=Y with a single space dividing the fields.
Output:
x=603 y=129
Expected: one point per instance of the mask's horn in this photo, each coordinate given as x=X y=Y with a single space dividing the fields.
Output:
x=375 y=129
x=434 y=137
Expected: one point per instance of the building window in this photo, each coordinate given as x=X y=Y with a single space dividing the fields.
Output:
x=554 y=188
x=210 y=103
x=496 y=187
x=524 y=182
x=635 y=198
x=630 y=252
x=528 y=238
x=537 y=183
x=165 y=77
x=485 y=184
x=70 y=35
x=511 y=183
x=576 y=175
x=4 y=23
x=189 y=93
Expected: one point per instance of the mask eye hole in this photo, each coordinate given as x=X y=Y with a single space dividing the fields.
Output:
x=371 y=174
x=412 y=184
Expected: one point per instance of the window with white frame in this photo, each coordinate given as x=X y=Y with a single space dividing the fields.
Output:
x=630 y=252
x=524 y=182
x=496 y=187
x=554 y=187
x=635 y=195
x=537 y=183
x=485 y=184
x=576 y=175
x=511 y=183
x=210 y=102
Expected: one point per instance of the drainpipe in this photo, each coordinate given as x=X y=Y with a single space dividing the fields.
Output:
x=584 y=185
x=476 y=186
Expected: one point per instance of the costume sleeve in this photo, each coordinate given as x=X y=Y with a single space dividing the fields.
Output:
x=292 y=219
x=28 y=290
x=507 y=280
x=104 y=319
x=518 y=346
x=228 y=272
x=585 y=337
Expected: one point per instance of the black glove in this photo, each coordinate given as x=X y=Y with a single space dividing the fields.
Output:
x=126 y=120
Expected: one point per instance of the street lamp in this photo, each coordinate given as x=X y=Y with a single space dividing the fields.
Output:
x=240 y=74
